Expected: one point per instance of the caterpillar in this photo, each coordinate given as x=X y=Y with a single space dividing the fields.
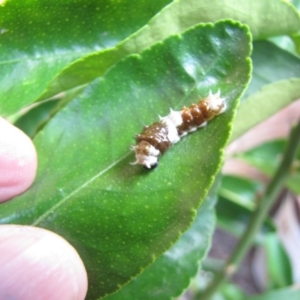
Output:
x=156 y=139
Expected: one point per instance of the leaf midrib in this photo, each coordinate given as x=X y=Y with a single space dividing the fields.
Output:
x=81 y=187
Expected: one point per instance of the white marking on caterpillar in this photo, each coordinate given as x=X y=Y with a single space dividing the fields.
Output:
x=157 y=138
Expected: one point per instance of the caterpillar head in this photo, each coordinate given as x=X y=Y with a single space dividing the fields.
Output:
x=145 y=155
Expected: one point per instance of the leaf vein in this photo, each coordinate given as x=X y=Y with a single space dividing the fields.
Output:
x=84 y=185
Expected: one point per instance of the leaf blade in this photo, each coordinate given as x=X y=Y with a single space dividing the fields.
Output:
x=274 y=85
x=171 y=273
x=39 y=39
x=85 y=186
x=180 y=15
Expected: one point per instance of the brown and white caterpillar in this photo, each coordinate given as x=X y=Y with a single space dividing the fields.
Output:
x=157 y=138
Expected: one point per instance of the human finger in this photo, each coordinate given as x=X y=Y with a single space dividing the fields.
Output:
x=38 y=264
x=18 y=161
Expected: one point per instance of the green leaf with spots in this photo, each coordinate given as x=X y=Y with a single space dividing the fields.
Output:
x=40 y=42
x=272 y=17
x=121 y=217
x=38 y=39
x=171 y=273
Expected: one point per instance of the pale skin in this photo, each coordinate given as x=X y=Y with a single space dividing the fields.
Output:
x=34 y=263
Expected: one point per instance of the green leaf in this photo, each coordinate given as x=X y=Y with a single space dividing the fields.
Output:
x=32 y=119
x=231 y=292
x=291 y=293
x=296 y=3
x=267 y=58
x=296 y=41
x=275 y=84
x=121 y=217
x=227 y=291
x=39 y=43
x=39 y=39
x=279 y=268
x=266 y=158
x=286 y=43
x=289 y=42
x=35 y=116
x=274 y=17
x=171 y=273
x=241 y=191
x=236 y=203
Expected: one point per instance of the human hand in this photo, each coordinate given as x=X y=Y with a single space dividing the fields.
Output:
x=34 y=263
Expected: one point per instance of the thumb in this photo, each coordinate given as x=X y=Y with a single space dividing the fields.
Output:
x=39 y=264
x=18 y=161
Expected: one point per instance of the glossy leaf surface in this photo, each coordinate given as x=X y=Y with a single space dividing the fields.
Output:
x=275 y=17
x=38 y=39
x=41 y=41
x=121 y=217
x=171 y=273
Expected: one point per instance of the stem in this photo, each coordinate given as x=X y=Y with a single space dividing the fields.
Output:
x=259 y=215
